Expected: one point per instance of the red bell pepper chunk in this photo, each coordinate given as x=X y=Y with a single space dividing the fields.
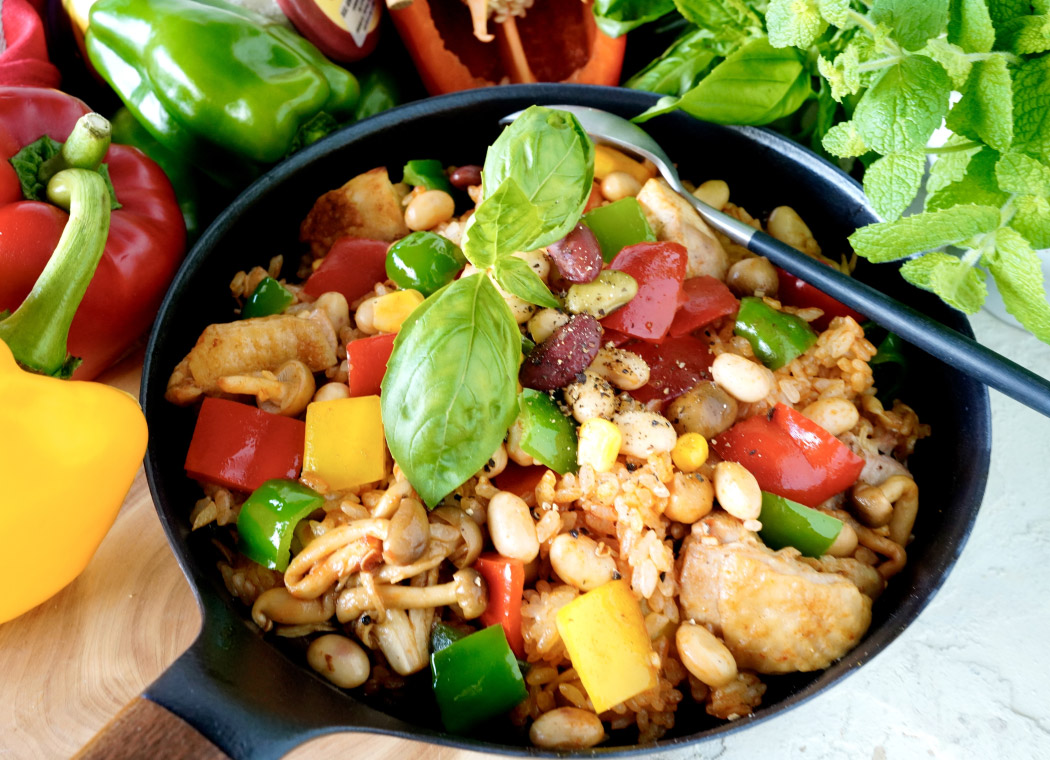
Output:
x=352 y=267
x=659 y=269
x=615 y=337
x=367 y=358
x=518 y=480
x=675 y=366
x=241 y=447
x=801 y=295
x=506 y=580
x=704 y=299
x=790 y=455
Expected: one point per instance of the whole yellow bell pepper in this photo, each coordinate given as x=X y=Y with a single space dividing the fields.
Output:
x=69 y=450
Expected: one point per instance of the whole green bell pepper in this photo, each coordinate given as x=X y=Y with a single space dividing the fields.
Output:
x=203 y=74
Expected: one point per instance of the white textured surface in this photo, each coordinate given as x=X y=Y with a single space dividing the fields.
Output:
x=971 y=677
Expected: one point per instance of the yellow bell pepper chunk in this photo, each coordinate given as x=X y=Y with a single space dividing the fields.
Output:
x=608 y=160
x=604 y=633
x=345 y=446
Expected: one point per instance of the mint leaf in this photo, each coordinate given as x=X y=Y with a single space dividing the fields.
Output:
x=1018 y=173
x=1018 y=274
x=843 y=140
x=504 y=223
x=978 y=186
x=889 y=241
x=952 y=58
x=1024 y=35
x=844 y=74
x=959 y=285
x=617 y=17
x=912 y=21
x=517 y=277
x=1032 y=219
x=903 y=108
x=835 y=11
x=951 y=167
x=892 y=182
x=970 y=26
x=793 y=23
x=985 y=110
x=1032 y=108
x=1004 y=10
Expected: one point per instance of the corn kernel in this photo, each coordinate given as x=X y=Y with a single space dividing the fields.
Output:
x=599 y=443
x=690 y=452
x=393 y=309
x=608 y=160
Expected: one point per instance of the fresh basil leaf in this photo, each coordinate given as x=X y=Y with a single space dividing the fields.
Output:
x=892 y=182
x=504 y=223
x=970 y=26
x=958 y=284
x=985 y=111
x=1024 y=35
x=952 y=57
x=1032 y=108
x=450 y=389
x=551 y=158
x=903 y=108
x=724 y=17
x=889 y=241
x=978 y=186
x=1032 y=219
x=681 y=65
x=794 y=23
x=617 y=17
x=1018 y=173
x=517 y=277
x=843 y=140
x=1018 y=274
x=912 y=21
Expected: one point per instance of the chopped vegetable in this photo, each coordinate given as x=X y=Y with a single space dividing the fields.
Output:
x=608 y=160
x=775 y=336
x=675 y=366
x=604 y=633
x=890 y=365
x=443 y=635
x=427 y=173
x=659 y=269
x=344 y=444
x=704 y=299
x=267 y=520
x=269 y=297
x=352 y=267
x=424 y=261
x=797 y=292
x=366 y=360
x=618 y=225
x=788 y=523
x=518 y=480
x=506 y=580
x=548 y=436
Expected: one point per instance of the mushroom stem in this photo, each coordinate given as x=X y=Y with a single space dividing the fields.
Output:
x=467 y=588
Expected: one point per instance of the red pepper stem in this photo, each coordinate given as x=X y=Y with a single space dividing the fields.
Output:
x=36 y=332
x=84 y=149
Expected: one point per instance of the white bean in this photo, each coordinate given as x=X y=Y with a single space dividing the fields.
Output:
x=836 y=415
x=786 y=225
x=737 y=491
x=742 y=378
x=365 y=315
x=594 y=397
x=704 y=655
x=332 y=391
x=544 y=322
x=617 y=185
x=429 y=209
x=577 y=562
x=620 y=367
x=692 y=497
x=845 y=542
x=339 y=659
x=567 y=728
x=335 y=307
x=511 y=527
x=538 y=261
x=514 y=450
x=714 y=192
x=645 y=434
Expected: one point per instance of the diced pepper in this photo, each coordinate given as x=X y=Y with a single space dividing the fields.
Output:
x=889 y=365
x=604 y=633
x=476 y=678
x=675 y=366
x=775 y=336
x=788 y=523
x=659 y=269
x=506 y=579
x=269 y=297
x=366 y=359
x=267 y=520
x=618 y=225
x=518 y=480
x=796 y=292
x=241 y=446
x=427 y=173
x=704 y=299
x=352 y=267
x=790 y=455
x=548 y=436
x=443 y=635
x=608 y=160
x=344 y=442
x=424 y=261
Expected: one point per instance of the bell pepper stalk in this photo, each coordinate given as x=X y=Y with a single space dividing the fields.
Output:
x=659 y=269
x=379 y=92
x=788 y=523
x=796 y=292
x=241 y=447
x=675 y=366
x=427 y=173
x=269 y=297
x=890 y=366
x=145 y=245
x=352 y=267
x=704 y=299
x=424 y=261
x=84 y=440
x=790 y=455
x=476 y=678
x=548 y=436
x=345 y=446
x=775 y=336
x=618 y=225
x=367 y=359
x=506 y=581
x=268 y=518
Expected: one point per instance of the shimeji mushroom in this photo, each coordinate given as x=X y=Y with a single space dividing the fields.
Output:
x=286 y=392
x=466 y=589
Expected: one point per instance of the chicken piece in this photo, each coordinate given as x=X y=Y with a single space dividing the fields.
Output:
x=775 y=613
x=673 y=219
x=368 y=206
x=252 y=345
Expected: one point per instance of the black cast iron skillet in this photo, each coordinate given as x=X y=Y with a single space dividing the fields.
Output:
x=254 y=697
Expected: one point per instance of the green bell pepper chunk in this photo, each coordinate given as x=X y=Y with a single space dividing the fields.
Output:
x=269 y=297
x=889 y=366
x=204 y=76
x=548 y=436
x=424 y=261
x=379 y=92
x=427 y=173
x=442 y=636
x=268 y=518
x=775 y=337
x=476 y=678
x=788 y=523
x=618 y=225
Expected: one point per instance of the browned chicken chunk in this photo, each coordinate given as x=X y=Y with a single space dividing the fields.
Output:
x=368 y=206
x=673 y=219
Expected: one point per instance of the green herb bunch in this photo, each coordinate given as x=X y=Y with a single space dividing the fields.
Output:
x=451 y=386
x=871 y=80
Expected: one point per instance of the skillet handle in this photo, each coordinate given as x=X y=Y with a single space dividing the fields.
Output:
x=145 y=729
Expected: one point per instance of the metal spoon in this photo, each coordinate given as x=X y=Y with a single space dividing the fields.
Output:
x=944 y=343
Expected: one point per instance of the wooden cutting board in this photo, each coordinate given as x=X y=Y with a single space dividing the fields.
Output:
x=73 y=662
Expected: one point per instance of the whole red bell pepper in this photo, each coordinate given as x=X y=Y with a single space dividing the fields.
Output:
x=367 y=358
x=506 y=580
x=790 y=455
x=659 y=269
x=146 y=243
